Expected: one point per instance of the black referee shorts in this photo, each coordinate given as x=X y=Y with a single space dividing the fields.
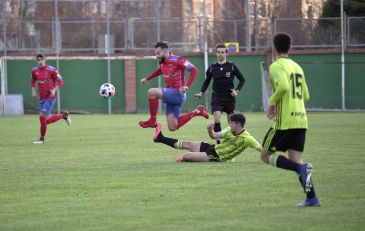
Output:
x=223 y=104
x=282 y=140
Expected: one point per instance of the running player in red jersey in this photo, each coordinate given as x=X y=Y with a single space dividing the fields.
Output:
x=172 y=68
x=49 y=81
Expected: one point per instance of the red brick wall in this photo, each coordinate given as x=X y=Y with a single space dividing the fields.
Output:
x=130 y=85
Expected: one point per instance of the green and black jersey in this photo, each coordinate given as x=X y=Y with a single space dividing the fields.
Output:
x=290 y=91
x=232 y=144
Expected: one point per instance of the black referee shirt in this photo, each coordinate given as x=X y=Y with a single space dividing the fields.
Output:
x=223 y=76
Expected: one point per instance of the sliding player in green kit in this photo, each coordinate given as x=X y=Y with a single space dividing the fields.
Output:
x=235 y=139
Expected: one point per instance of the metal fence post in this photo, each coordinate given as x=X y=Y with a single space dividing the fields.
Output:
x=248 y=31
x=58 y=44
x=108 y=51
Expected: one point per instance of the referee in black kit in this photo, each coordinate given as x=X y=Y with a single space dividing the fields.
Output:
x=224 y=94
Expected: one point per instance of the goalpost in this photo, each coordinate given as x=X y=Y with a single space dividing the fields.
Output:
x=265 y=84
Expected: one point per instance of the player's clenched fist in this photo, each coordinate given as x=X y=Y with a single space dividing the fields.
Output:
x=210 y=127
x=144 y=81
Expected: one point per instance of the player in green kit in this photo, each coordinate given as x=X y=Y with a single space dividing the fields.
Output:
x=235 y=139
x=286 y=108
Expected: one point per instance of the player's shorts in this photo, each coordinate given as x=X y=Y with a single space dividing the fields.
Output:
x=282 y=140
x=223 y=104
x=210 y=150
x=46 y=106
x=174 y=100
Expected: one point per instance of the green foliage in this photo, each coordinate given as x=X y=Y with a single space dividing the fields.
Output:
x=329 y=30
x=332 y=8
x=105 y=173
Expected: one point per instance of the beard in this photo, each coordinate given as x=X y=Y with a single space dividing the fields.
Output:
x=162 y=59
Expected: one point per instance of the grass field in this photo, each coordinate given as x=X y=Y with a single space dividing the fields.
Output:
x=105 y=173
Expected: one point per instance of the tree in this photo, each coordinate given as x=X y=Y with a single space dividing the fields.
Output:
x=352 y=8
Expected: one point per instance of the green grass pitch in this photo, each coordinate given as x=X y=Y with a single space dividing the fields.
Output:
x=106 y=173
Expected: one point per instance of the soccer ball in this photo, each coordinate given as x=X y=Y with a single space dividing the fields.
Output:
x=107 y=90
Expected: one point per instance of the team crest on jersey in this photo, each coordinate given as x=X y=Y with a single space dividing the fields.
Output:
x=228 y=74
x=221 y=68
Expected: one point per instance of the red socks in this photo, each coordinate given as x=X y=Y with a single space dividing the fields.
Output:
x=183 y=119
x=43 y=120
x=54 y=118
x=153 y=103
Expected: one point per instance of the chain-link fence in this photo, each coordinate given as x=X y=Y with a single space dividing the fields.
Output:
x=356 y=31
x=91 y=27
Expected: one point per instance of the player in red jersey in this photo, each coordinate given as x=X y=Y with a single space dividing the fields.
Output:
x=172 y=68
x=49 y=81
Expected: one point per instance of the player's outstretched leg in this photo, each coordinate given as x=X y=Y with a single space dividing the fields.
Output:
x=199 y=111
x=151 y=122
x=193 y=146
x=54 y=118
x=157 y=133
x=159 y=138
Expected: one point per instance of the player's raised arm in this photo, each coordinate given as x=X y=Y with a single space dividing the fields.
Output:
x=151 y=76
x=212 y=134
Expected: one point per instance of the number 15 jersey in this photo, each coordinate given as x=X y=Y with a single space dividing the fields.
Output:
x=290 y=91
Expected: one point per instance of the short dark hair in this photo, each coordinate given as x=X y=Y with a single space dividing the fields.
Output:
x=221 y=45
x=282 y=42
x=162 y=45
x=238 y=118
x=40 y=55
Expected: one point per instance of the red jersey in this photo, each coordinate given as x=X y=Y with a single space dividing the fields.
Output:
x=173 y=71
x=47 y=78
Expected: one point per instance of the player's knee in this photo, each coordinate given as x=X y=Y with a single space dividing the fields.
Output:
x=172 y=128
x=153 y=93
x=217 y=118
x=42 y=115
x=265 y=158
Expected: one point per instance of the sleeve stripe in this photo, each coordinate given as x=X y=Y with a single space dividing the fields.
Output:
x=189 y=67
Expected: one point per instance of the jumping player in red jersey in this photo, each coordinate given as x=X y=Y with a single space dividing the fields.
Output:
x=49 y=81
x=172 y=68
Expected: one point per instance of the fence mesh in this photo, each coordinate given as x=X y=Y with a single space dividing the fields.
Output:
x=65 y=26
